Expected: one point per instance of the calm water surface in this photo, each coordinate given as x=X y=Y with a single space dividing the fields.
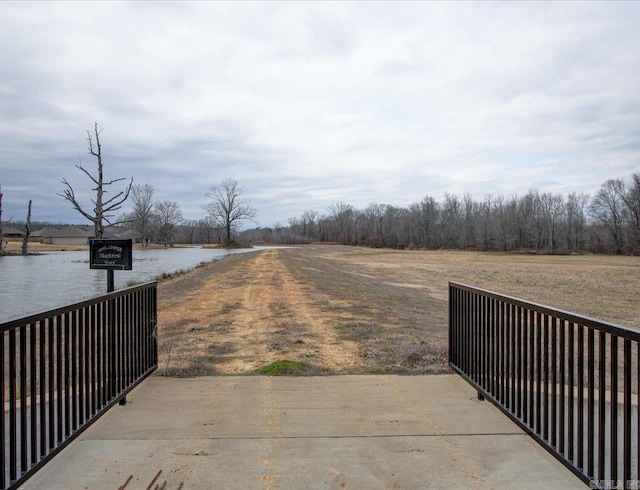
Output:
x=37 y=283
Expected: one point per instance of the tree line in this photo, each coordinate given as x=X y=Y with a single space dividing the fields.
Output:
x=162 y=221
x=155 y=221
x=149 y=220
x=607 y=222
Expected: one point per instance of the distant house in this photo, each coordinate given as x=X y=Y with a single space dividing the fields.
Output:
x=69 y=235
x=38 y=235
x=108 y=234
x=129 y=234
x=11 y=234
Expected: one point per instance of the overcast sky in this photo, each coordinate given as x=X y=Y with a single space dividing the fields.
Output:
x=307 y=104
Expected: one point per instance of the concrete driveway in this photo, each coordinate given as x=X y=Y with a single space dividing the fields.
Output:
x=360 y=432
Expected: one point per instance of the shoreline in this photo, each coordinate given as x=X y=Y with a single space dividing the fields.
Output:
x=332 y=309
x=35 y=248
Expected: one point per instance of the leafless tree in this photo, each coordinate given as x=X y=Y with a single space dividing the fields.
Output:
x=295 y=225
x=309 y=223
x=469 y=211
x=342 y=215
x=428 y=215
x=632 y=201
x=451 y=220
x=608 y=207
x=536 y=222
x=210 y=231
x=528 y=211
x=552 y=208
x=169 y=215
x=103 y=207
x=142 y=197
x=227 y=207
x=577 y=206
x=25 y=239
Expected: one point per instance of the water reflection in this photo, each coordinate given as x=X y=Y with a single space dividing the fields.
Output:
x=36 y=283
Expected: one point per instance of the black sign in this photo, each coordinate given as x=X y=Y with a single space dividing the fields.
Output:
x=110 y=254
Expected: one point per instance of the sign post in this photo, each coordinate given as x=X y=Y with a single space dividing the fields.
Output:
x=111 y=255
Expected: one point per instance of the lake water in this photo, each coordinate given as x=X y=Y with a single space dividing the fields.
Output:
x=35 y=283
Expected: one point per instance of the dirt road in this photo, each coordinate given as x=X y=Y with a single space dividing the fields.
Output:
x=247 y=315
x=337 y=309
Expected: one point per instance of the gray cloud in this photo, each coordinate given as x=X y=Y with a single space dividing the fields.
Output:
x=306 y=104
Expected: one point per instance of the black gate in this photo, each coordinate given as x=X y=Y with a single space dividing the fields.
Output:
x=571 y=382
x=64 y=368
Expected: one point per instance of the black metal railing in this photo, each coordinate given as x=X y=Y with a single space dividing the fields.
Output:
x=570 y=381
x=64 y=368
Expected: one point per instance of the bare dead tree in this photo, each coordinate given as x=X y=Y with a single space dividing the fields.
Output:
x=103 y=208
x=227 y=206
x=25 y=239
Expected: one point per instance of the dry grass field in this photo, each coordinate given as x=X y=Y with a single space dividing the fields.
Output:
x=328 y=309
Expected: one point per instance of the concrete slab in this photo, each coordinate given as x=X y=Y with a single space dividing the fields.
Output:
x=361 y=432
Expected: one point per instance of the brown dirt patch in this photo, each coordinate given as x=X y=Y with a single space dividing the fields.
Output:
x=252 y=311
x=357 y=310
